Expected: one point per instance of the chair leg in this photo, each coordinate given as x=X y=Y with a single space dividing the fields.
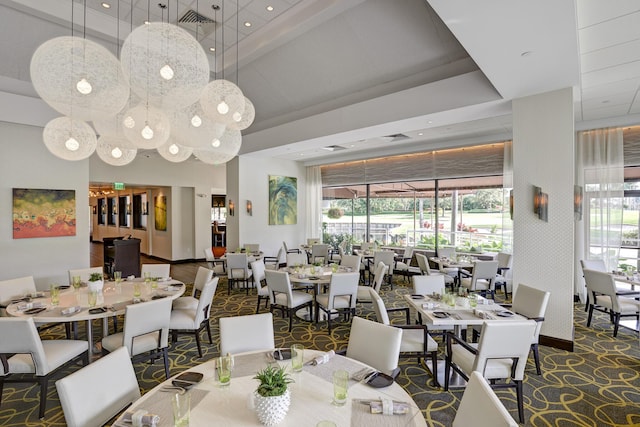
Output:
x=590 y=315
x=447 y=372
x=258 y=306
x=520 y=401
x=616 y=323
x=44 y=382
x=208 y=326
x=198 y=343
x=536 y=358
x=434 y=368
x=165 y=356
x=290 y=318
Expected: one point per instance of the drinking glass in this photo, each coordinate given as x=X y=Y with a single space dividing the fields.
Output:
x=93 y=298
x=473 y=300
x=117 y=275
x=55 y=294
x=154 y=285
x=340 y=383
x=223 y=370
x=136 y=290
x=76 y=282
x=181 y=403
x=297 y=353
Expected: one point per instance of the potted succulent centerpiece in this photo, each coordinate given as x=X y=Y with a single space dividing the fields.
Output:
x=95 y=282
x=272 y=397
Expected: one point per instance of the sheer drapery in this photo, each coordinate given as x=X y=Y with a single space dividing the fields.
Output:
x=507 y=187
x=600 y=170
x=314 y=202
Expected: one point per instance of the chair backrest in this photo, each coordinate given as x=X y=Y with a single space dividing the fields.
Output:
x=258 y=268
x=279 y=256
x=252 y=247
x=379 y=308
x=593 y=264
x=480 y=407
x=278 y=283
x=286 y=248
x=294 y=259
x=505 y=340
x=408 y=253
x=381 y=353
x=602 y=283
x=532 y=303
x=237 y=266
x=428 y=285
x=144 y=318
x=204 y=302
x=156 y=270
x=84 y=273
x=313 y=241
x=423 y=263
x=378 y=277
x=240 y=334
x=203 y=275
x=446 y=252
x=208 y=255
x=367 y=246
x=96 y=393
x=352 y=261
x=20 y=336
x=343 y=284
x=504 y=260
x=387 y=257
x=320 y=252
x=484 y=270
x=17 y=287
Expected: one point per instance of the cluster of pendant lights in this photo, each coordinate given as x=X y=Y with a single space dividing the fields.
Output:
x=157 y=96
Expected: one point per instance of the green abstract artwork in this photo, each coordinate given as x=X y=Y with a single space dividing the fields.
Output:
x=283 y=200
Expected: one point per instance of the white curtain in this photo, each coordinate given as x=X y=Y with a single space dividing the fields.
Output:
x=600 y=171
x=314 y=202
x=507 y=198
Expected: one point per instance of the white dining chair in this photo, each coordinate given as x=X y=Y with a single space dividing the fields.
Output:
x=252 y=332
x=238 y=271
x=15 y=288
x=216 y=265
x=425 y=270
x=295 y=259
x=381 y=353
x=193 y=321
x=156 y=270
x=96 y=393
x=252 y=247
x=25 y=355
x=504 y=265
x=260 y=279
x=388 y=258
x=340 y=297
x=351 y=261
x=203 y=276
x=320 y=253
x=480 y=407
x=145 y=333
x=482 y=279
x=282 y=297
x=364 y=296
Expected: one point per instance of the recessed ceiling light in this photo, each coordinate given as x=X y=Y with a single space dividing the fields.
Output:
x=146 y=22
x=526 y=53
x=106 y=5
x=270 y=8
x=247 y=24
x=212 y=49
x=420 y=134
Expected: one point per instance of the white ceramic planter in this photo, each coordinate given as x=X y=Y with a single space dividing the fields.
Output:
x=272 y=410
x=95 y=286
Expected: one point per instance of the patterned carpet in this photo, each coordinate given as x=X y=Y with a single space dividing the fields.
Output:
x=596 y=385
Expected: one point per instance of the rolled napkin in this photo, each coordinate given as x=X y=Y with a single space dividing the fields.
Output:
x=30 y=305
x=323 y=358
x=141 y=418
x=70 y=310
x=388 y=407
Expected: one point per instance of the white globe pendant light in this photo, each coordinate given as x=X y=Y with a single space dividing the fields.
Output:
x=243 y=120
x=165 y=65
x=115 y=151
x=221 y=150
x=146 y=127
x=69 y=138
x=221 y=99
x=174 y=151
x=79 y=78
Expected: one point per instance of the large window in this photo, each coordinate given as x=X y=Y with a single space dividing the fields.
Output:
x=467 y=212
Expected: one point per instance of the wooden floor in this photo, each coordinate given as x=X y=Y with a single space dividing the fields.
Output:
x=183 y=271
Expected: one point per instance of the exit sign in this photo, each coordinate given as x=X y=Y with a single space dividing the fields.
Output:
x=118 y=185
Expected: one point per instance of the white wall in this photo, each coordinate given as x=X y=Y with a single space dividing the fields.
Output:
x=252 y=177
x=543 y=156
x=26 y=163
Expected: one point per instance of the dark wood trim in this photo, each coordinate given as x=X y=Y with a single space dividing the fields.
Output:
x=556 y=343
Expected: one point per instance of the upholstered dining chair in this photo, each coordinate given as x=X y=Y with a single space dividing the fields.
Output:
x=340 y=297
x=290 y=250
x=156 y=270
x=260 y=279
x=598 y=265
x=532 y=304
x=403 y=264
x=203 y=275
x=450 y=253
x=504 y=265
x=96 y=393
x=483 y=277
x=145 y=333
x=501 y=354
x=381 y=353
x=24 y=354
x=239 y=334
x=364 y=296
x=388 y=258
x=603 y=297
x=425 y=270
x=84 y=273
x=416 y=340
x=480 y=407
x=15 y=288
x=282 y=297
x=296 y=258
x=273 y=262
x=320 y=253
x=428 y=285
x=252 y=247
x=216 y=265
x=193 y=320
x=238 y=271
x=351 y=261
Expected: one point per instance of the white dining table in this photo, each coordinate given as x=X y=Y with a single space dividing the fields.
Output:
x=113 y=298
x=311 y=396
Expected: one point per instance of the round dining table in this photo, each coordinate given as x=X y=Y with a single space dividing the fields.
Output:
x=311 y=396
x=74 y=303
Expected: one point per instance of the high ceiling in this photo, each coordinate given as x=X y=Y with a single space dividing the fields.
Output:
x=374 y=77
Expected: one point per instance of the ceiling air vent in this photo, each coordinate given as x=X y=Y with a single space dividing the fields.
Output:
x=192 y=19
x=334 y=148
x=395 y=137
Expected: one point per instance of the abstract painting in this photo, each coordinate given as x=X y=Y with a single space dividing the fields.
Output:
x=161 y=213
x=43 y=213
x=283 y=200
